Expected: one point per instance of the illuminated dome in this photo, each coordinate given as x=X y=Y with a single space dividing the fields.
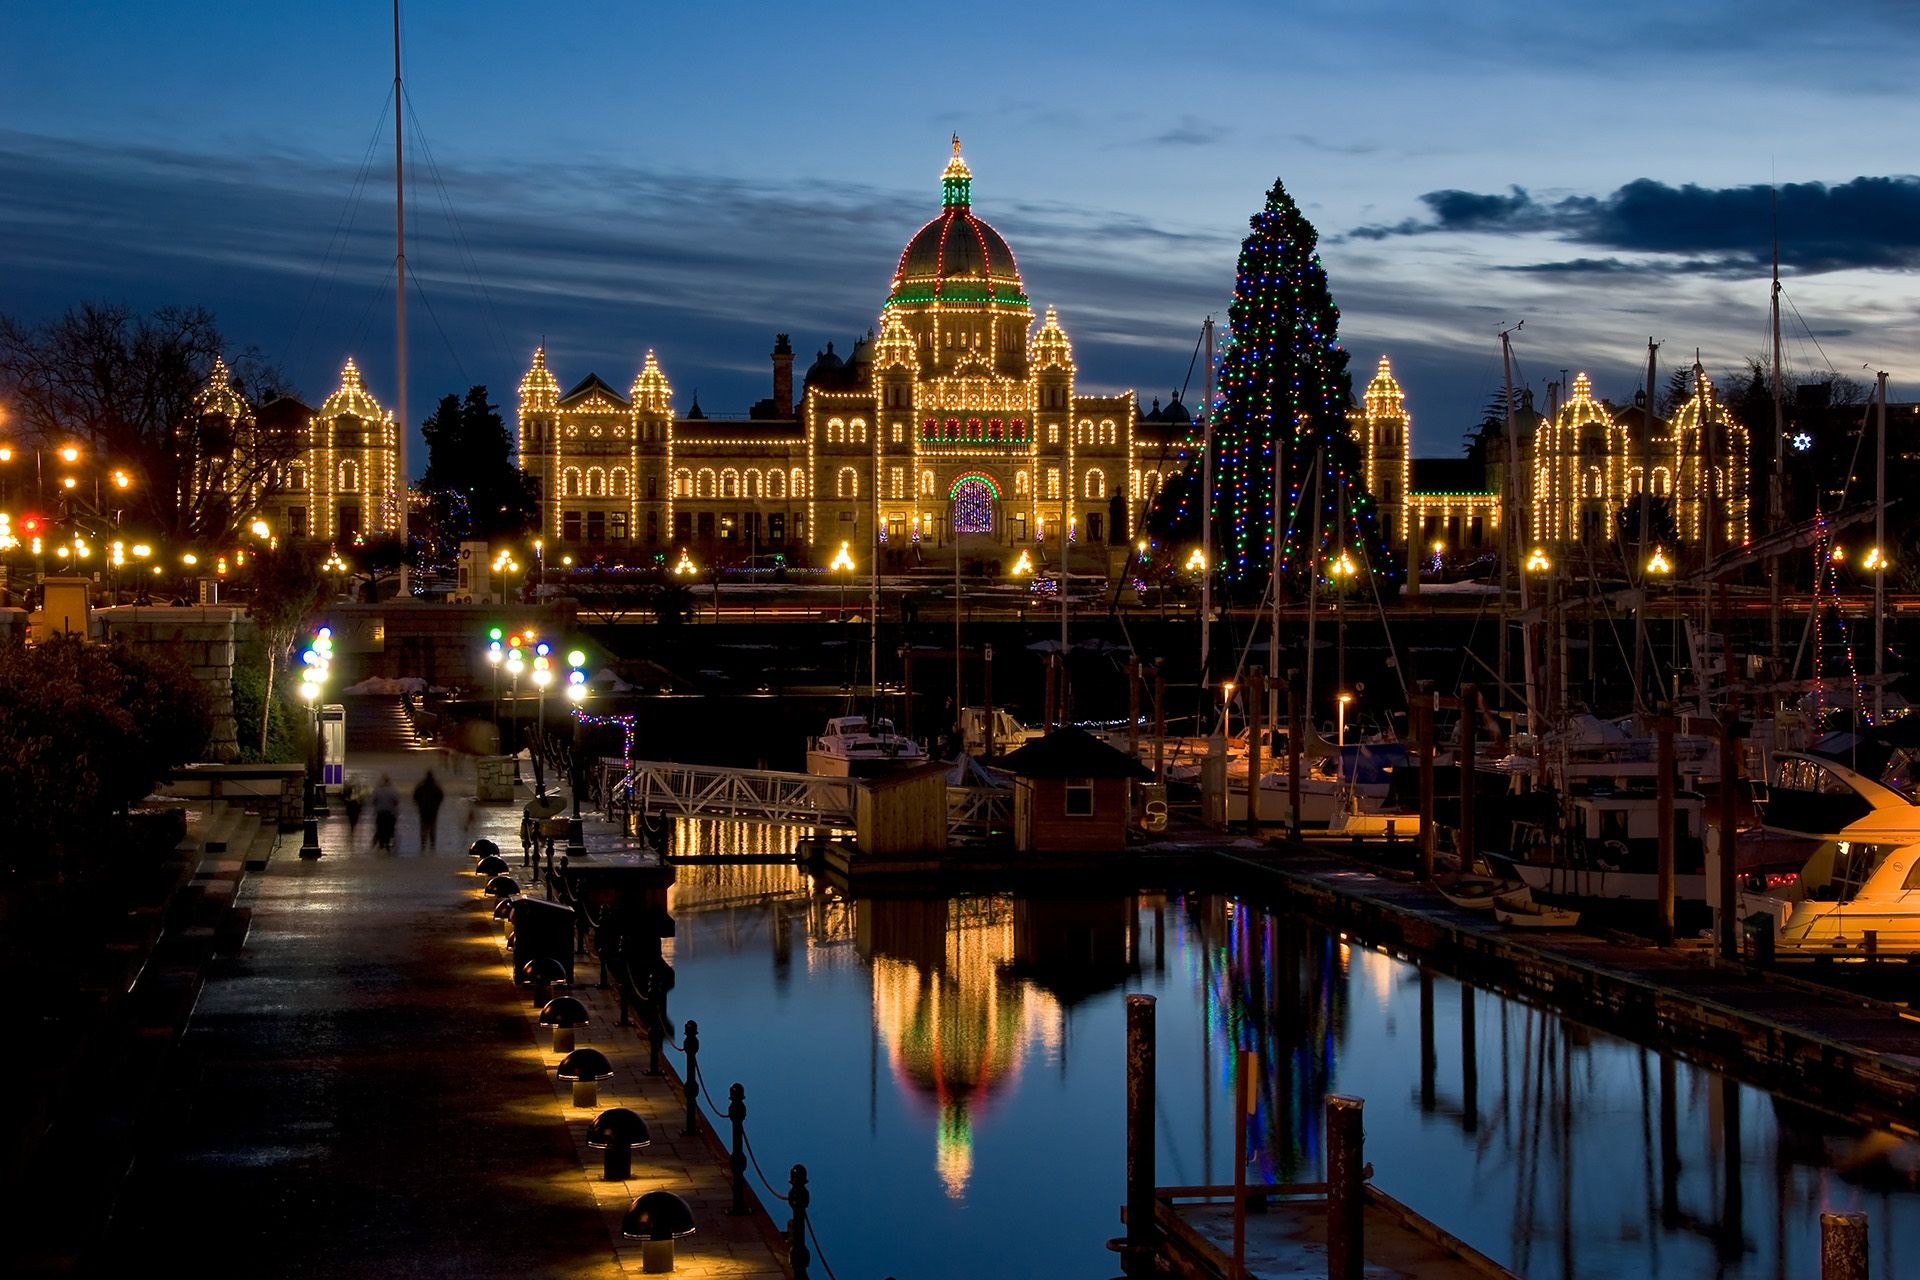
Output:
x=1384 y=398
x=352 y=398
x=957 y=257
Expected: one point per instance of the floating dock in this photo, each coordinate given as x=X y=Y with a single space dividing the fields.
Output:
x=1849 y=1054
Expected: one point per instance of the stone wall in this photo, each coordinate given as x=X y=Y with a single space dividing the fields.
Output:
x=204 y=637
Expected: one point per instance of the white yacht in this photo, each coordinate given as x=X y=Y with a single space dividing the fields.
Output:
x=854 y=747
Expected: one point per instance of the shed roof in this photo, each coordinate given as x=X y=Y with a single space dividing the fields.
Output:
x=1072 y=753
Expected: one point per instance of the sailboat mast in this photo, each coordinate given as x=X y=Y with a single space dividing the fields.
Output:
x=1646 y=515
x=1206 y=518
x=400 y=301
x=1880 y=555
x=1313 y=558
x=1776 y=497
x=1273 y=575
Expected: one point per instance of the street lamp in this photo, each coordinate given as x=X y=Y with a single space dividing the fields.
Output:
x=495 y=656
x=516 y=663
x=542 y=677
x=1226 y=709
x=1340 y=724
x=685 y=568
x=1341 y=571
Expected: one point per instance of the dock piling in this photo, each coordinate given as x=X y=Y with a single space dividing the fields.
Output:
x=798 y=1198
x=1346 y=1187
x=1843 y=1246
x=1137 y=1251
x=737 y=1115
x=690 y=1045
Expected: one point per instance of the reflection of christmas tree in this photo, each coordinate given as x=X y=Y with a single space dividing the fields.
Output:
x=1284 y=383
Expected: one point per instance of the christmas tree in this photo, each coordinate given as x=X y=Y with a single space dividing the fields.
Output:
x=1283 y=383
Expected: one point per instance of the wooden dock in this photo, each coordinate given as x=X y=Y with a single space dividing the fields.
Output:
x=1849 y=1054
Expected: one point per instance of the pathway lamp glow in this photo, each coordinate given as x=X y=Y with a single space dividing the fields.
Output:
x=585 y=1069
x=563 y=1014
x=618 y=1132
x=1874 y=562
x=685 y=568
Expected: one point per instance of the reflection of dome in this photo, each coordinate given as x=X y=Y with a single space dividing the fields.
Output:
x=957 y=257
x=958 y=1035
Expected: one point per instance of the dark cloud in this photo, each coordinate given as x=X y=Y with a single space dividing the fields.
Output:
x=603 y=260
x=1585 y=267
x=1188 y=131
x=1868 y=222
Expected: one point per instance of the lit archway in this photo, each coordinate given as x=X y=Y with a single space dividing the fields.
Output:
x=974 y=496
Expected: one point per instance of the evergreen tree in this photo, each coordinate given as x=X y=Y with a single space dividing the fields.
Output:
x=473 y=487
x=1283 y=383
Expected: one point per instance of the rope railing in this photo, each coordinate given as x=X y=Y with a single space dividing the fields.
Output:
x=649 y=1002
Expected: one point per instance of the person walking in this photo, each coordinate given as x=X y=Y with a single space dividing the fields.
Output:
x=428 y=795
x=351 y=797
x=386 y=813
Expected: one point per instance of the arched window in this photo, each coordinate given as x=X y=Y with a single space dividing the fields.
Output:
x=349 y=477
x=797 y=486
x=683 y=483
x=1662 y=482
x=1596 y=483
x=1109 y=433
x=1021 y=483
x=847 y=483
x=703 y=483
x=729 y=483
x=617 y=482
x=570 y=482
x=926 y=484
x=596 y=482
x=297 y=478
x=753 y=485
x=857 y=431
x=776 y=483
x=836 y=431
x=1153 y=482
x=1096 y=483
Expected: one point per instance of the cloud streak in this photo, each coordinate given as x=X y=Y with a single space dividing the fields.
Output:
x=1868 y=222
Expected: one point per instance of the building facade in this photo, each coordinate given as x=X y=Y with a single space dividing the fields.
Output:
x=1578 y=467
x=340 y=483
x=959 y=419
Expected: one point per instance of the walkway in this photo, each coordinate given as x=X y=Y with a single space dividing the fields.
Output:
x=364 y=1093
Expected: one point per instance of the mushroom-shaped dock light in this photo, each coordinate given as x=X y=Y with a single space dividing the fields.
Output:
x=563 y=1014
x=483 y=848
x=657 y=1218
x=543 y=974
x=585 y=1069
x=502 y=886
x=491 y=865
x=619 y=1132
x=503 y=910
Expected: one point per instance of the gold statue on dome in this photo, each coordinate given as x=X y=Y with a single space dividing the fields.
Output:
x=956 y=143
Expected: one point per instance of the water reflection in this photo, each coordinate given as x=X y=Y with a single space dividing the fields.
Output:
x=986 y=1029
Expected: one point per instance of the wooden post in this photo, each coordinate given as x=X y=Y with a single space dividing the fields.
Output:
x=1469 y=714
x=1295 y=732
x=1423 y=739
x=1245 y=1080
x=1137 y=1251
x=1256 y=707
x=1159 y=722
x=1729 y=921
x=906 y=688
x=1843 y=1246
x=1664 y=782
x=1046 y=720
x=986 y=693
x=1346 y=1188
x=1133 y=706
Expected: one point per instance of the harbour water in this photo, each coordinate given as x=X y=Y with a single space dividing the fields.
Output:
x=950 y=1070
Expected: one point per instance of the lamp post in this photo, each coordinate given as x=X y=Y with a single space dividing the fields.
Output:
x=576 y=694
x=1538 y=564
x=1226 y=709
x=516 y=663
x=1341 y=571
x=495 y=656
x=542 y=677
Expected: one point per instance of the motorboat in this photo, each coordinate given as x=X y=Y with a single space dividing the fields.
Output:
x=1857 y=897
x=1603 y=846
x=854 y=747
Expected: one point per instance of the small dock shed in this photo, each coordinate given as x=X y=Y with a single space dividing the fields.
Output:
x=1070 y=794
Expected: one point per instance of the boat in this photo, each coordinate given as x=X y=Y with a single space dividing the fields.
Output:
x=1604 y=847
x=1008 y=734
x=1473 y=893
x=854 y=747
x=1520 y=911
x=1858 y=898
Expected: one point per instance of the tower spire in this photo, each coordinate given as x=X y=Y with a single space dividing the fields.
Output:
x=956 y=181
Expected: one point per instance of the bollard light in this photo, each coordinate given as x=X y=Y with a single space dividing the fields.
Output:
x=563 y=1014
x=585 y=1069
x=657 y=1219
x=543 y=974
x=618 y=1132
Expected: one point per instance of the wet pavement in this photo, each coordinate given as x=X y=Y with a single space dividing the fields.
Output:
x=360 y=1095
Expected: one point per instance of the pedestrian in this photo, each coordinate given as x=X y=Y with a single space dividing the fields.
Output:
x=350 y=796
x=386 y=813
x=428 y=796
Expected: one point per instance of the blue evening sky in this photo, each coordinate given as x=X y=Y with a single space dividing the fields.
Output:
x=696 y=177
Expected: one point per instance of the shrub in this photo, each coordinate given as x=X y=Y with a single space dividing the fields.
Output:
x=85 y=731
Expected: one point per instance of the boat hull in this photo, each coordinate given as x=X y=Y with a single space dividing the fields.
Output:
x=829 y=764
x=1582 y=885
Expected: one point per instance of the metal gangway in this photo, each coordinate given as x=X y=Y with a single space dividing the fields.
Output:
x=640 y=787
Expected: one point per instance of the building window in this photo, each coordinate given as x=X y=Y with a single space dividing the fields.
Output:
x=1053 y=482
x=847 y=483
x=682 y=526
x=297 y=478
x=297 y=522
x=596 y=526
x=1093 y=527
x=726 y=526
x=706 y=525
x=899 y=428
x=777 y=527
x=570 y=483
x=1096 y=483
x=653 y=526
x=349 y=519
x=1019 y=526
x=653 y=488
x=896 y=528
x=617 y=525
x=683 y=483
x=570 y=526
x=897 y=482
x=349 y=477
x=1079 y=793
